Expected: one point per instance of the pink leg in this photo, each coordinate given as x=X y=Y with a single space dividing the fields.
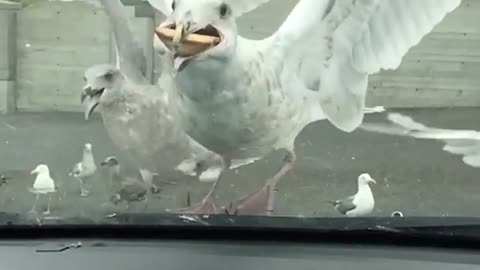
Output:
x=48 y=205
x=206 y=206
x=34 y=206
x=262 y=201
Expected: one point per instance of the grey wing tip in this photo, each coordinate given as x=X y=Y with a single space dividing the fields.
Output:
x=334 y=203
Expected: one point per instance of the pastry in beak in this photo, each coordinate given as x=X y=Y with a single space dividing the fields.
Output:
x=178 y=37
x=185 y=43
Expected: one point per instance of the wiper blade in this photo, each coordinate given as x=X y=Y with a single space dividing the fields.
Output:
x=448 y=230
x=446 y=226
x=64 y=248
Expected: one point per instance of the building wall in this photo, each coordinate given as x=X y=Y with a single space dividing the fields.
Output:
x=8 y=33
x=58 y=40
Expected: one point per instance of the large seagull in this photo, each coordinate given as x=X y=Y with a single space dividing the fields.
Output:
x=140 y=118
x=247 y=97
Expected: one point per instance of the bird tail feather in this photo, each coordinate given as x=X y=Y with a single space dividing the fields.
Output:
x=332 y=202
x=401 y=125
x=376 y=109
x=457 y=142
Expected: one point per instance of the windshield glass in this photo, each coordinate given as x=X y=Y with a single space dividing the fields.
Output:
x=290 y=108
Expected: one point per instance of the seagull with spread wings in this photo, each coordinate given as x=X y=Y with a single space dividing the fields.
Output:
x=250 y=97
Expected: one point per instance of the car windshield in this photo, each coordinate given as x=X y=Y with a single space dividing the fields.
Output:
x=291 y=108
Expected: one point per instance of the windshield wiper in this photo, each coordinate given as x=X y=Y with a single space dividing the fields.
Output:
x=405 y=226
x=63 y=248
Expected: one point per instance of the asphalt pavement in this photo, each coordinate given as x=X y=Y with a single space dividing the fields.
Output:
x=414 y=176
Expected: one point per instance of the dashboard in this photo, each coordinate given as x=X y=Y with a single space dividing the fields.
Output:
x=222 y=255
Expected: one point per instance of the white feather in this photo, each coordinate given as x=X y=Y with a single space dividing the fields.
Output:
x=43 y=181
x=335 y=45
x=459 y=142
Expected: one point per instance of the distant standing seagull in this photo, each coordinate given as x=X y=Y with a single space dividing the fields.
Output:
x=360 y=204
x=85 y=169
x=43 y=184
x=127 y=184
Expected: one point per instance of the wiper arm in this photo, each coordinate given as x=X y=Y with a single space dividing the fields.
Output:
x=447 y=228
x=60 y=249
x=406 y=226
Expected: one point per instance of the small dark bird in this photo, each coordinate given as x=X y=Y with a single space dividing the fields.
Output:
x=3 y=179
x=127 y=184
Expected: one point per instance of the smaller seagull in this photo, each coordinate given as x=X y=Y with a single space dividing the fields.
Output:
x=43 y=184
x=85 y=169
x=130 y=192
x=3 y=179
x=127 y=184
x=360 y=204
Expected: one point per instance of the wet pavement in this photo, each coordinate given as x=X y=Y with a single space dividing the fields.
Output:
x=413 y=176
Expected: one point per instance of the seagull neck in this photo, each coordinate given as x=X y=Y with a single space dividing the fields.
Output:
x=119 y=81
x=362 y=188
x=43 y=176
x=115 y=171
x=88 y=157
x=244 y=53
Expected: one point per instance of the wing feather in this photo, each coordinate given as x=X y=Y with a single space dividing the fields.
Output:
x=458 y=142
x=334 y=45
x=130 y=57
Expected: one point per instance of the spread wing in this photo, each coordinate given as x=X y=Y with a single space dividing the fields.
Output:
x=130 y=57
x=459 y=142
x=334 y=45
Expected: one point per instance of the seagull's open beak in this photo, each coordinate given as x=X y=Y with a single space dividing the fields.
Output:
x=90 y=106
x=91 y=99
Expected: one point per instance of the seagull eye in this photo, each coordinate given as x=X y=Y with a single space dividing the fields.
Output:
x=224 y=10
x=108 y=76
